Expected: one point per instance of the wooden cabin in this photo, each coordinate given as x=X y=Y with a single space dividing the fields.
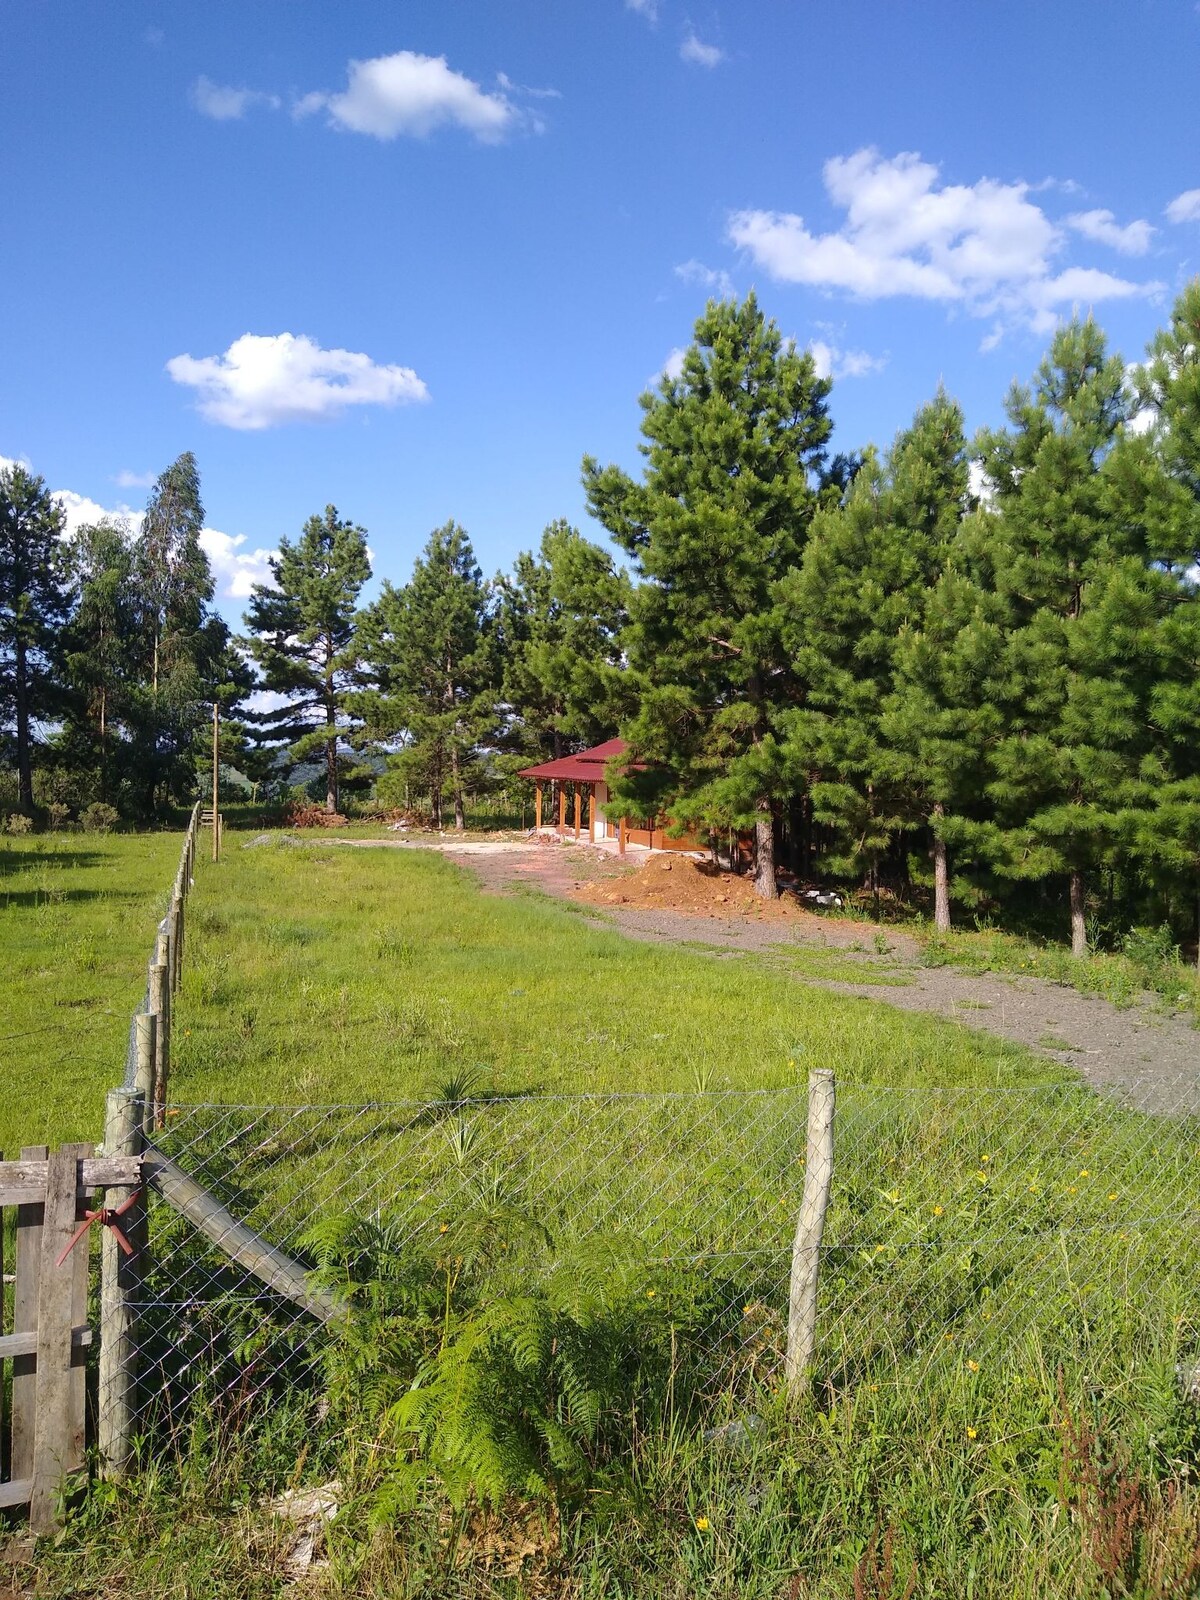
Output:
x=570 y=791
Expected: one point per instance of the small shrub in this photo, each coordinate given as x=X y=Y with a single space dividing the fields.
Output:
x=18 y=824
x=99 y=818
x=57 y=814
x=1151 y=948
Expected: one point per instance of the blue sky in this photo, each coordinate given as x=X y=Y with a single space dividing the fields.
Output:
x=485 y=227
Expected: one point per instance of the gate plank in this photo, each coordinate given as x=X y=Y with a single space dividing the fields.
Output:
x=25 y=1304
x=55 y=1436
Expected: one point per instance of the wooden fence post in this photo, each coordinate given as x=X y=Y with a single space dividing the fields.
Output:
x=160 y=1006
x=146 y=1033
x=61 y=1305
x=24 y=1368
x=119 y=1278
x=810 y=1225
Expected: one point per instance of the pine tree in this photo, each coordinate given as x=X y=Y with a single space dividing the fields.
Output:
x=733 y=450
x=868 y=567
x=101 y=645
x=1078 y=596
x=430 y=654
x=303 y=635
x=35 y=600
x=560 y=621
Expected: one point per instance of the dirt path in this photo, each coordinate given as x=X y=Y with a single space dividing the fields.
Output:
x=1149 y=1055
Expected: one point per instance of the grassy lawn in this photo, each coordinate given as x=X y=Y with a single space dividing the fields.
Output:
x=1007 y=1282
x=77 y=920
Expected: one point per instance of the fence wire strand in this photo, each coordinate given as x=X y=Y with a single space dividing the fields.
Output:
x=963 y=1224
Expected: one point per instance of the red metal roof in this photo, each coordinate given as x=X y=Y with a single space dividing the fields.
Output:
x=585 y=767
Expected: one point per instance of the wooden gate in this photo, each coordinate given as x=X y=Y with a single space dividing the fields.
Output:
x=42 y=1436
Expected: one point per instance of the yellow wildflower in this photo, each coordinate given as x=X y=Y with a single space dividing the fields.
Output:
x=650 y=1293
x=972 y=1366
x=1084 y=1173
x=703 y=1524
x=1113 y=1195
x=972 y=1433
x=937 y=1211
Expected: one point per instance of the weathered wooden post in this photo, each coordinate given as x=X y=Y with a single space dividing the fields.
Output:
x=810 y=1226
x=146 y=1040
x=160 y=1006
x=61 y=1307
x=537 y=806
x=120 y=1275
x=577 y=807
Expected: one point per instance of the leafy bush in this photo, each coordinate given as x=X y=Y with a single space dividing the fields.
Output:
x=99 y=818
x=308 y=814
x=57 y=814
x=1151 y=948
x=17 y=823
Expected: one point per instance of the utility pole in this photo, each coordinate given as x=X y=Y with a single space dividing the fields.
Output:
x=216 y=776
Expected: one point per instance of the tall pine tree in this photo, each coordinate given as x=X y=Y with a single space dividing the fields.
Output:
x=303 y=635
x=733 y=448
x=35 y=600
x=430 y=652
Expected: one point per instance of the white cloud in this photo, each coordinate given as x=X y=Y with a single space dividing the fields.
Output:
x=672 y=367
x=695 y=272
x=413 y=94
x=644 y=8
x=986 y=246
x=263 y=380
x=1131 y=240
x=235 y=570
x=224 y=104
x=698 y=54
x=1185 y=207
x=79 y=510
x=506 y=83
x=135 y=480
x=832 y=362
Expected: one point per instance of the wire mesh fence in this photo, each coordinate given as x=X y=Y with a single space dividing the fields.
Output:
x=966 y=1227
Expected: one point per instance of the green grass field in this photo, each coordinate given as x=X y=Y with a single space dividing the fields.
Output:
x=1008 y=1283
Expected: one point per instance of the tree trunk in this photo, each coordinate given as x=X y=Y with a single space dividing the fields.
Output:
x=764 y=853
x=24 y=754
x=460 y=818
x=941 y=876
x=1079 y=946
x=331 y=772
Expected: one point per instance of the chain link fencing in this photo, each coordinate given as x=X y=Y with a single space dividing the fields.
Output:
x=966 y=1228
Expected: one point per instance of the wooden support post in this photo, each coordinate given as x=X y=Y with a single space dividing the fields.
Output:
x=62 y=1299
x=25 y=1313
x=621 y=836
x=160 y=1005
x=537 y=806
x=591 y=813
x=578 y=798
x=562 y=805
x=175 y=923
x=810 y=1225
x=216 y=766
x=209 y=1217
x=146 y=1035
x=119 y=1278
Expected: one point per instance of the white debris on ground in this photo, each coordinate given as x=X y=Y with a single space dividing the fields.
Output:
x=312 y=1510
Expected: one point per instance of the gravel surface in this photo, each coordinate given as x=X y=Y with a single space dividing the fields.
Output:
x=1142 y=1052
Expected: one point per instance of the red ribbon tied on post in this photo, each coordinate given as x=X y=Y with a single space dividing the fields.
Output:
x=107 y=1219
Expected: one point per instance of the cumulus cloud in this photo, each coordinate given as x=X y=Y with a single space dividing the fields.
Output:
x=1185 y=207
x=698 y=54
x=225 y=104
x=1131 y=240
x=235 y=570
x=696 y=273
x=986 y=247
x=833 y=362
x=263 y=380
x=79 y=510
x=411 y=94
x=672 y=367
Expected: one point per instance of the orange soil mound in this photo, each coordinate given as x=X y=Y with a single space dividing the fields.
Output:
x=697 y=888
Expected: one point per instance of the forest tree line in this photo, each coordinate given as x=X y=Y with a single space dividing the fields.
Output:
x=962 y=667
